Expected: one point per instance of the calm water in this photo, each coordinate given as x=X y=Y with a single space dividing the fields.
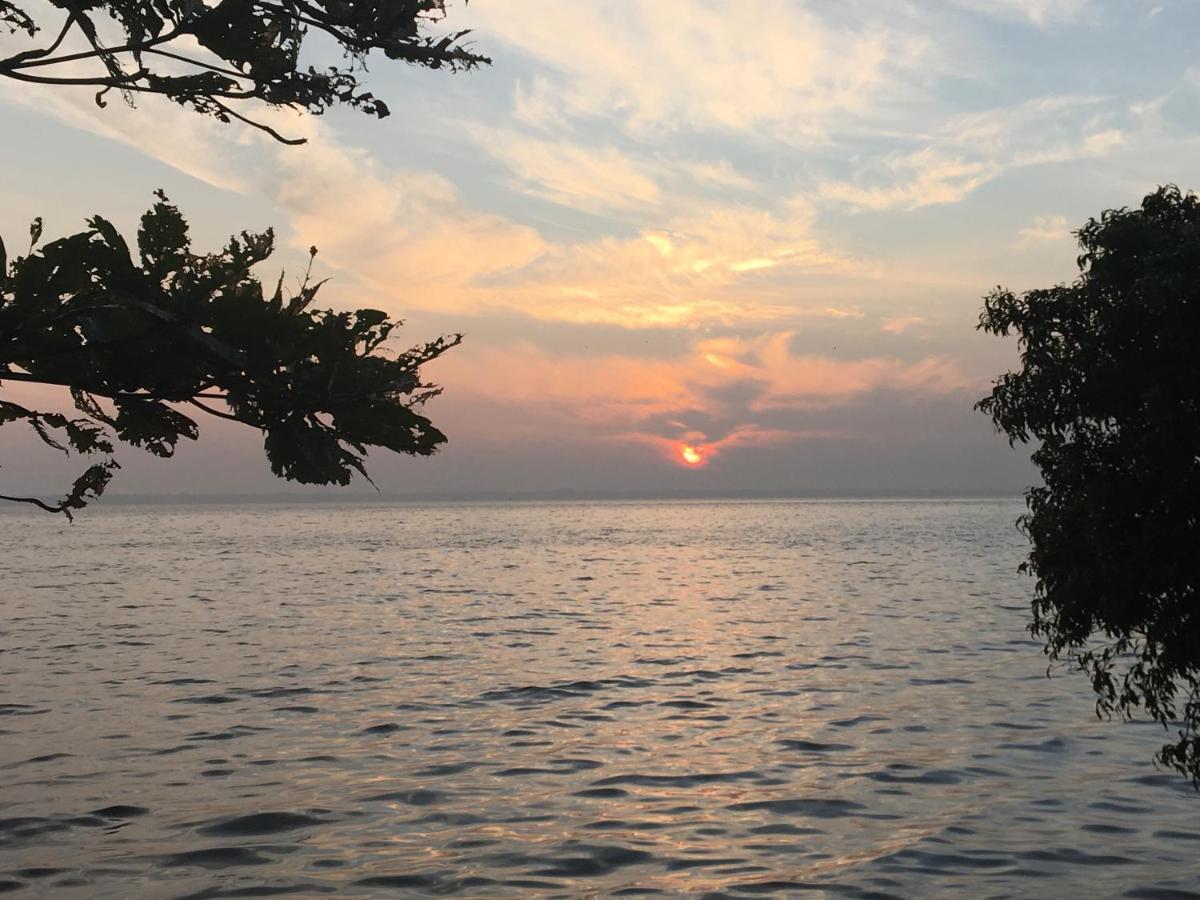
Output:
x=582 y=699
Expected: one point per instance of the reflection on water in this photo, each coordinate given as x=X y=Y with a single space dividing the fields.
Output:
x=728 y=698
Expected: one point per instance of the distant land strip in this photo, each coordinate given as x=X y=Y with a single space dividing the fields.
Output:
x=564 y=495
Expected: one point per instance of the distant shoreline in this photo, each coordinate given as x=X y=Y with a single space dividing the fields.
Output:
x=558 y=496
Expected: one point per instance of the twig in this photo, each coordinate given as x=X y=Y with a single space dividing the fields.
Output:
x=216 y=412
x=260 y=126
x=36 y=502
x=44 y=51
x=232 y=73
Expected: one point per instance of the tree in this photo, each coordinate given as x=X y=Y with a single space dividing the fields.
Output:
x=1109 y=389
x=215 y=57
x=172 y=328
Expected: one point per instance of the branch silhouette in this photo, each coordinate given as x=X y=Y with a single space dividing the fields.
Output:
x=249 y=51
x=166 y=328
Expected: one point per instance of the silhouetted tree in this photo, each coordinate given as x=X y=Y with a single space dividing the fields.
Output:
x=175 y=328
x=133 y=338
x=214 y=57
x=1109 y=389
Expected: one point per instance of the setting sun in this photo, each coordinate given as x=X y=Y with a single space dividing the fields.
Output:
x=691 y=455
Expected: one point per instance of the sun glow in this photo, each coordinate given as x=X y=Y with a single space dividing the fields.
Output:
x=691 y=456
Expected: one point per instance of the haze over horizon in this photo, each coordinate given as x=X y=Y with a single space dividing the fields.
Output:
x=768 y=248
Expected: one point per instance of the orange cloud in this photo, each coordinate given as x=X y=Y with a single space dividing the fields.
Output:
x=415 y=244
x=720 y=394
x=901 y=324
x=694 y=451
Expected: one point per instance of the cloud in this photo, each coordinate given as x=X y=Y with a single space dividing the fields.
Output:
x=535 y=104
x=901 y=324
x=708 y=265
x=720 y=393
x=594 y=179
x=413 y=243
x=179 y=138
x=708 y=173
x=1038 y=12
x=407 y=234
x=418 y=245
x=411 y=237
x=605 y=180
x=973 y=149
x=678 y=64
x=1046 y=228
x=1102 y=142
x=924 y=178
x=219 y=154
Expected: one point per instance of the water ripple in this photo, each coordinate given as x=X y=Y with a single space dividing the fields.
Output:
x=712 y=700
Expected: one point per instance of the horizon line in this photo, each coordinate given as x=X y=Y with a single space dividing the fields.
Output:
x=554 y=495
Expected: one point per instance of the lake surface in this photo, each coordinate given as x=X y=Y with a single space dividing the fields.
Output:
x=731 y=699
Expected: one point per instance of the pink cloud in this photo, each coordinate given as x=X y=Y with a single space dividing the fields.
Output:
x=719 y=395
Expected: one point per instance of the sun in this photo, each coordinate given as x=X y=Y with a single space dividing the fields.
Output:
x=690 y=455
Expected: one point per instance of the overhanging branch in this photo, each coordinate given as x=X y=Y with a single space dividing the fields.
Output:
x=36 y=502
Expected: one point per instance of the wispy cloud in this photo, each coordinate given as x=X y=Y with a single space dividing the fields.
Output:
x=901 y=324
x=973 y=149
x=924 y=178
x=180 y=139
x=1038 y=12
x=407 y=234
x=1046 y=228
x=597 y=179
x=677 y=64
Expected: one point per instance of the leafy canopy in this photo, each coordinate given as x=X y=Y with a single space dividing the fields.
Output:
x=1109 y=389
x=215 y=57
x=137 y=338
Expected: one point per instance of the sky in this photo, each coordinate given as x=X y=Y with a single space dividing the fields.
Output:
x=693 y=245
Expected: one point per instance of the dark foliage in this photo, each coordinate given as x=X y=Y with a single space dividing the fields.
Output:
x=250 y=51
x=1110 y=390
x=136 y=338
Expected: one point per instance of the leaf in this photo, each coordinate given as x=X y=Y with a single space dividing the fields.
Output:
x=87 y=487
x=111 y=236
x=163 y=240
x=87 y=404
x=303 y=451
x=16 y=19
x=87 y=438
x=39 y=424
x=152 y=425
x=11 y=412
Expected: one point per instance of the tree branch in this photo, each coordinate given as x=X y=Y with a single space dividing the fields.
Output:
x=138 y=47
x=216 y=412
x=109 y=82
x=260 y=126
x=26 y=378
x=232 y=73
x=44 y=51
x=36 y=502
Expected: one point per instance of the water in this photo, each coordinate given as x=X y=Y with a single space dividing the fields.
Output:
x=591 y=699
